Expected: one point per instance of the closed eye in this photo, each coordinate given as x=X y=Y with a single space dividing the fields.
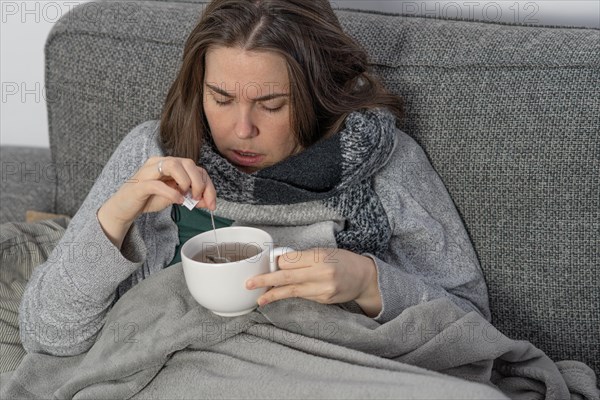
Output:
x=222 y=103
x=272 y=110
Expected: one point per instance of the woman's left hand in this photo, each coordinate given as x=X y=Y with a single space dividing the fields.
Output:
x=326 y=276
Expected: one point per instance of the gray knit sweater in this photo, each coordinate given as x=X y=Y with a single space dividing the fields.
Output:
x=429 y=254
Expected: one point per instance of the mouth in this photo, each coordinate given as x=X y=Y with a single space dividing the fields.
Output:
x=246 y=158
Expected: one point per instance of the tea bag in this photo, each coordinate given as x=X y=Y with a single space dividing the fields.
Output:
x=189 y=202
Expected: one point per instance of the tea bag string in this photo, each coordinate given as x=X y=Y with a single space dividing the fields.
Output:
x=212 y=218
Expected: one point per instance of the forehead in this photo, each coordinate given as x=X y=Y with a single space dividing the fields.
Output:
x=235 y=66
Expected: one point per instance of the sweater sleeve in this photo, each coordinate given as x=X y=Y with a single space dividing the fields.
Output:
x=66 y=299
x=430 y=254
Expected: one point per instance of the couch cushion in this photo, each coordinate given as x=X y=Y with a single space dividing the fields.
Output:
x=28 y=182
x=508 y=115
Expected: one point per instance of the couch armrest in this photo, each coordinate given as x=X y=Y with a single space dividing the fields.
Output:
x=28 y=182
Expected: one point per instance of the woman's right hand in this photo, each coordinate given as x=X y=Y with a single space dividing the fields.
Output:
x=149 y=190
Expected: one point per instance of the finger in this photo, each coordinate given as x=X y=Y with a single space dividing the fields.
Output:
x=172 y=167
x=150 y=170
x=149 y=188
x=207 y=200
x=202 y=188
x=295 y=259
x=209 y=196
x=187 y=176
x=313 y=256
x=198 y=178
x=280 y=278
x=307 y=291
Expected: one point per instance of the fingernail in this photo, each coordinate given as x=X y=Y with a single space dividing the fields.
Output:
x=250 y=284
x=262 y=302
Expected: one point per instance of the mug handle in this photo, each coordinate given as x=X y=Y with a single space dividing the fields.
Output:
x=279 y=251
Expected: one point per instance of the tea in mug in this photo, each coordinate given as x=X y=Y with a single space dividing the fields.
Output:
x=233 y=251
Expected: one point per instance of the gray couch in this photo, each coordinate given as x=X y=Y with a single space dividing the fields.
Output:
x=508 y=115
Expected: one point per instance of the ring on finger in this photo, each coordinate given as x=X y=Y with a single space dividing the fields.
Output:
x=160 y=171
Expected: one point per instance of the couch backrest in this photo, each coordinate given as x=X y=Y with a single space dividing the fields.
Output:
x=508 y=115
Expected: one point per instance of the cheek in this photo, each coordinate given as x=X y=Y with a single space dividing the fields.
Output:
x=283 y=131
x=286 y=144
x=215 y=122
x=288 y=139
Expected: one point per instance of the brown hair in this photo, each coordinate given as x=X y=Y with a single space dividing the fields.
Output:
x=328 y=70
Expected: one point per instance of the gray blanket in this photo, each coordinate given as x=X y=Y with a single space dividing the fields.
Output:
x=157 y=342
x=23 y=246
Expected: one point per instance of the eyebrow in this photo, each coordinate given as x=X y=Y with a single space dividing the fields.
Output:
x=261 y=98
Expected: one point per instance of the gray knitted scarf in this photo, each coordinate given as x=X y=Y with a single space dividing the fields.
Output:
x=336 y=171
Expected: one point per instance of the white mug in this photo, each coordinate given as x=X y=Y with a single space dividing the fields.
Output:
x=221 y=288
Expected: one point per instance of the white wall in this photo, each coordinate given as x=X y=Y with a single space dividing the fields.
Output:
x=25 y=25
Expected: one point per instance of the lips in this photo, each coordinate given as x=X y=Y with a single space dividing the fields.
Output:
x=246 y=158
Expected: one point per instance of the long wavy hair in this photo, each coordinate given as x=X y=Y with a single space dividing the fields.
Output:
x=328 y=70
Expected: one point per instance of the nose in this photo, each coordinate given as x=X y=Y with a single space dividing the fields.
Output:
x=245 y=127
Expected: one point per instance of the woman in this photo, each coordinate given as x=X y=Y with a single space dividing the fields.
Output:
x=272 y=121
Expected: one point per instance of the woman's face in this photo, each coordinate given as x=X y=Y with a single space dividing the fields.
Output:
x=247 y=104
